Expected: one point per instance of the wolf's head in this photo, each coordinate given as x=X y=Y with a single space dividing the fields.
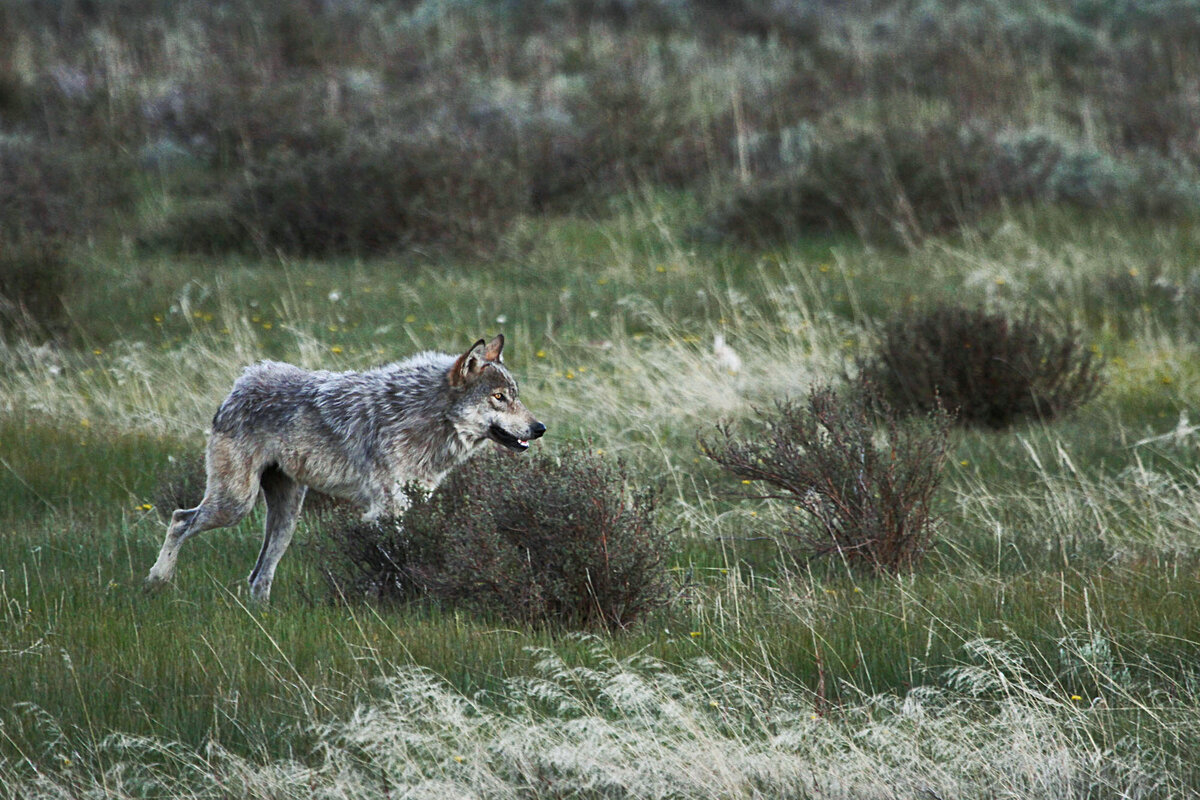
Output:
x=488 y=407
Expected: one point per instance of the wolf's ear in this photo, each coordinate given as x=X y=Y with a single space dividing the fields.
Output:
x=468 y=364
x=494 y=347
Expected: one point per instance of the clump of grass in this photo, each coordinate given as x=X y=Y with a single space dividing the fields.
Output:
x=1059 y=513
x=992 y=371
x=855 y=497
x=541 y=540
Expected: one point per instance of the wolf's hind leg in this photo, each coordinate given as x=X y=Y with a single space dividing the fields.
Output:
x=186 y=523
x=229 y=496
x=284 y=497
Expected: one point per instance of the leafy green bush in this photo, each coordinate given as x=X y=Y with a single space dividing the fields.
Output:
x=856 y=496
x=991 y=370
x=537 y=539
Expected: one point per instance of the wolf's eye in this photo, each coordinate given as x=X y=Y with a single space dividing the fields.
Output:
x=499 y=396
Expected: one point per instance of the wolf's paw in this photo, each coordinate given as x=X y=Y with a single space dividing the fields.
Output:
x=153 y=584
x=260 y=593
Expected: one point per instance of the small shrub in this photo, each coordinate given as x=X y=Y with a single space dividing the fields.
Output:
x=534 y=539
x=857 y=494
x=990 y=370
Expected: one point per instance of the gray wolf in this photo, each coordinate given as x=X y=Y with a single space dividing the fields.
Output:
x=361 y=436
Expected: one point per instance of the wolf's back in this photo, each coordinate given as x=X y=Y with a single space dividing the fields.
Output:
x=267 y=397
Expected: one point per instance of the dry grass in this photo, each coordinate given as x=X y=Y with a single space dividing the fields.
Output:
x=641 y=728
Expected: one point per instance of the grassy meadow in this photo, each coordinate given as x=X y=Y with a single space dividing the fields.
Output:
x=1047 y=646
x=1062 y=592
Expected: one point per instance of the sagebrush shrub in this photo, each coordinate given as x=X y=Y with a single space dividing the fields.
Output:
x=860 y=480
x=1044 y=167
x=990 y=370
x=537 y=539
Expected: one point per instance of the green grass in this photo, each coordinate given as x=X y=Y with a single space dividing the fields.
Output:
x=1072 y=547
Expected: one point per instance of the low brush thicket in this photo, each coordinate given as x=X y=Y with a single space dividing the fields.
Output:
x=556 y=541
x=860 y=480
x=61 y=190
x=343 y=184
x=990 y=370
x=902 y=183
x=366 y=195
x=272 y=126
x=899 y=182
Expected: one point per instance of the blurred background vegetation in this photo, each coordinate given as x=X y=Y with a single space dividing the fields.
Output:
x=317 y=127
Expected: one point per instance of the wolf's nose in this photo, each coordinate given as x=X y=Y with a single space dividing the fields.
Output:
x=536 y=430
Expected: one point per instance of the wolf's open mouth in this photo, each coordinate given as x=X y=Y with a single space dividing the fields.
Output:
x=507 y=439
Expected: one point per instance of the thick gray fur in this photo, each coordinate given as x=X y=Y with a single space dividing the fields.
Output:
x=361 y=436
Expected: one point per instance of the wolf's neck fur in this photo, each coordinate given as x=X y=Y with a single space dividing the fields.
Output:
x=416 y=413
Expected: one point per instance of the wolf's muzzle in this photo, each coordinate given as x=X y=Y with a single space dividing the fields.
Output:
x=516 y=443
